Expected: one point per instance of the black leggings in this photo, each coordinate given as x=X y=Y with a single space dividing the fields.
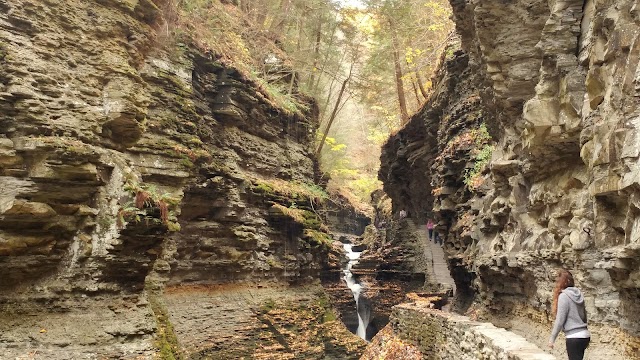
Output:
x=576 y=348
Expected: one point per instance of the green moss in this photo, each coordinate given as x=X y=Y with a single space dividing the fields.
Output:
x=278 y=94
x=105 y=222
x=329 y=315
x=472 y=177
x=325 y=305
x=217 y=167
x=317 y=238
x=187 y=163
x=311 y=220
x=296 y=194
x=166 y=340
x=267 y=306
x=173 y=226
x=263 y=188
x=195 y=141
x=482 y=156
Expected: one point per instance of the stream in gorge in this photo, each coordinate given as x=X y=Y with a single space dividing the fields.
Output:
x=362 y=307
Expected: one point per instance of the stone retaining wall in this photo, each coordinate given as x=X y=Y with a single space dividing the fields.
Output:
x=441 y=335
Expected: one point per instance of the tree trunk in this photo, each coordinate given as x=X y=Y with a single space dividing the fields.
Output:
x=316 y=54
x=421 y=84
x=336 y=107
x=326 y=59
x=415 y=92
x=326 y=102
x=278 y=25
x=293 y=80
x=402 y=102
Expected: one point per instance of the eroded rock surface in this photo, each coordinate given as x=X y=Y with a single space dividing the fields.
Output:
x=126 y=165
x=545 y=93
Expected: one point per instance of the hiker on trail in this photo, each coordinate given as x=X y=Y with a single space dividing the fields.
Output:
x=403 y=214
x=430 y=229
x=571 y=316
x=438 y=239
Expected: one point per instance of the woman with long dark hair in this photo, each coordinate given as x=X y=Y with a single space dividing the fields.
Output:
x=571 y=316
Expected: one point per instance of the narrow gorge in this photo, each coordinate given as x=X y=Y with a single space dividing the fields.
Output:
x=161 y=199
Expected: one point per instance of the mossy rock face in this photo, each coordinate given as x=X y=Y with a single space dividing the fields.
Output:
x=311 y=220
x=263 y=188
x=317 y=238
x=166 y=341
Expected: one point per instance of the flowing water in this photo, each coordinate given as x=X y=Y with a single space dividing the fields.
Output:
x=361 y=308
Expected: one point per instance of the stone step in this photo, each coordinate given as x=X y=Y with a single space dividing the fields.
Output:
x=438 y=269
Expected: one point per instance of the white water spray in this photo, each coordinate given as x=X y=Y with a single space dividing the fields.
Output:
x=363 y=316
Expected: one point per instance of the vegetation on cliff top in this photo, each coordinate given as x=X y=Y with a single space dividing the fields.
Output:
x=367 y=67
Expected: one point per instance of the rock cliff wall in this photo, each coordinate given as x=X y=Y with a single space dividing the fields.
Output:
x=529 y=151
x=127 y=165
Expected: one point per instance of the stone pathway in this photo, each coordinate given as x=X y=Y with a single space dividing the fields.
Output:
x=437 y=269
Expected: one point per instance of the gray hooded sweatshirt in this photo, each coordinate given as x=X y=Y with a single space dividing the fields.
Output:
x=571 y=316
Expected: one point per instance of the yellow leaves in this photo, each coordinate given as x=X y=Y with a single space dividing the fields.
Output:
x=344 y=173
x=361 y=20
x=377 y=136
x=333 y=145
x=438 y=9
x=411 y=55
x=329 y=140
x=389 y=117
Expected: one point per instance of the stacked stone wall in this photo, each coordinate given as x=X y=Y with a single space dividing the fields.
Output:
x=442 y=335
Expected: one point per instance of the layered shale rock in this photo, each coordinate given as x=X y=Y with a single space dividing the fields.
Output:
x=529 y=149
x=126 y=165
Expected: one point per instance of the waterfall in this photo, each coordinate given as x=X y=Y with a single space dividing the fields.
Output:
x=362 y=309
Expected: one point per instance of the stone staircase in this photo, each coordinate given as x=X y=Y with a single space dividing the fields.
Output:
x=436 y=269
